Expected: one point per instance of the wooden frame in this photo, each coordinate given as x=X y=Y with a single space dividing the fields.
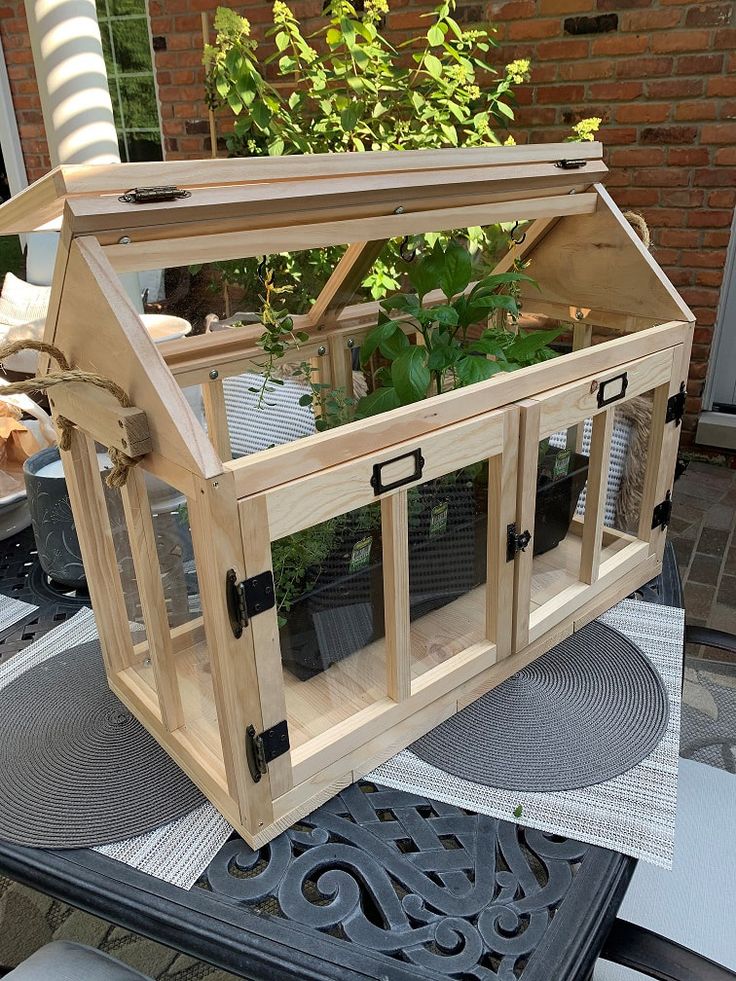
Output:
x=419 y=652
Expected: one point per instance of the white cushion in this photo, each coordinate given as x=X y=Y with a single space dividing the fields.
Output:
x=278 y=419
x=23 y=309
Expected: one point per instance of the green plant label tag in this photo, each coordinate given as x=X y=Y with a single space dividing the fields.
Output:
x=361 y=554
x=438 y=519
x=561 y=464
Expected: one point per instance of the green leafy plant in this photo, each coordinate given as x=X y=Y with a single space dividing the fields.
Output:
x=449 y=355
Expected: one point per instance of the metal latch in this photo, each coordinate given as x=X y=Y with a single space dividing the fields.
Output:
x=153 y=195
x=248 y=598
x=676 y=406
x=570 y=164
x=261 y=749
x=516 y=542
x=662 y=512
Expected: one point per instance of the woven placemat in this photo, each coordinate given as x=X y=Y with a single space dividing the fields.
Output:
x=77 y=768
x=632 y=813
x=586 y=711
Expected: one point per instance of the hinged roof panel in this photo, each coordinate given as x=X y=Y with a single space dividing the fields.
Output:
x=257 y=184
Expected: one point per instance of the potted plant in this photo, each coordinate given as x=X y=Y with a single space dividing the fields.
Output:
x=329 y=577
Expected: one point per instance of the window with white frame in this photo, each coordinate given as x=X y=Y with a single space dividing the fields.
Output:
x=126 y=42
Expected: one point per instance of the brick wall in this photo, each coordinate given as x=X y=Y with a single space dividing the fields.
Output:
x=660 y=73
x=19 y=61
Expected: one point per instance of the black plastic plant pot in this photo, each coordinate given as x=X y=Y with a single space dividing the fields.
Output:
x=343 y=612
x=557 y=499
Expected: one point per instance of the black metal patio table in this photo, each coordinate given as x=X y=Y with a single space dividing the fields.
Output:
x=375 y=884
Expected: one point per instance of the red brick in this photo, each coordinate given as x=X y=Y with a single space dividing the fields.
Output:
x=621 y=4
x=709 y=277
x=637 y=156
x=725 y=39
x=702 y=335
x=662 y=177
x=679 y=238
x=549 y=7
x=715 y=177
x=654 y=135
x=665 y=217
x=636 y=197
x=536 y=116
x=687 y=156
x=719 y=133
x=560 y=94
x=618 y=135
x=643 y=112
x=721 y=86
x=542 y=73
x=649 y=20
x=709 y=15
x=680 y=198
x=726 y=156
x=681 y=41
x=668 y=257
x=695 y=110
x=680 y=277
x=706 y=64
x=709 y=219
x=728 y=109
x=534 y=28
x=619 y=45
x=722 y=199
x=560 y=50
x=586 y=69
x=408 y=20
x=643 y=67
x=704 y=297
x=715 y=240
x=675 y=88
x=615 y=91
x=514 y=10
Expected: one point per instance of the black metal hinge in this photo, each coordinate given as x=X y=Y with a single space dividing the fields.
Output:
x=570 y=164
x=261 y=749
x=662 y=513
x=516 y=542
x=248 y=598
x=676 y=406
x=153 y=195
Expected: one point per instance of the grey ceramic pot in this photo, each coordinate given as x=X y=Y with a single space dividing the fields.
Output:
x=53 y=522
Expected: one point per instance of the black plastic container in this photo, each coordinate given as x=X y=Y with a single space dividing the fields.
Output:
x=343 y=612
x=557 y=499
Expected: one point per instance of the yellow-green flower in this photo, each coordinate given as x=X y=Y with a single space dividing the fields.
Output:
x=518 y=71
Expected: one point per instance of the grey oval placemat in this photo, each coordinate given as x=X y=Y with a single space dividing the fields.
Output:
x=585 y=712
x=76 y=768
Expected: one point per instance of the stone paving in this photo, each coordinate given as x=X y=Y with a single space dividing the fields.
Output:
x=703 y=531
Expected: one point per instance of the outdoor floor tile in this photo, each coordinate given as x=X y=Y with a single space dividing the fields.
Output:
x=729 y=566
x=683 y=551
x=720 y=517
x=704 y=568
x=727 y=592
x=698 y=600
x=712 y=541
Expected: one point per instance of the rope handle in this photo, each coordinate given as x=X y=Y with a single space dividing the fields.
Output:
x=121 y=462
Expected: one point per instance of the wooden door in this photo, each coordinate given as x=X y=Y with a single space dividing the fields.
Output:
x=392 y=588
x=592 y=464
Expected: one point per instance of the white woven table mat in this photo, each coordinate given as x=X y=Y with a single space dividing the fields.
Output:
x=13 y=610
x=633 y=813
x=178 y=852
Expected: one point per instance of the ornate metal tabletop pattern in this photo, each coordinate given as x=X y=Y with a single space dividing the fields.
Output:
x=451 y=891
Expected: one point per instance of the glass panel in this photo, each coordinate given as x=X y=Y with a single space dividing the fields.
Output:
x=131 y=45
x=329 y=591
x=625 y=481
x=138 y=102
x=448 y=524
x=560 y=506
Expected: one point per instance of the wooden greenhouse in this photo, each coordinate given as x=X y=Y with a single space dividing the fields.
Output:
x=417 y=622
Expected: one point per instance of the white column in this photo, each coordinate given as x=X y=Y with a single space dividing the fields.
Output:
x=72 y=81
x=75 y=96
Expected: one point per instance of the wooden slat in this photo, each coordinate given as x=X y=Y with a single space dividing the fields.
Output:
x=337 y=490
x=215 y=415
x=395 y=529
x=502 y=477
x=346 y=278
x=264 y=631
x=186 y=249
x=595 y=499
x=218 y=547
x=526 y=499
x=83 y=481
x=142 y=538
x=294 y=460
